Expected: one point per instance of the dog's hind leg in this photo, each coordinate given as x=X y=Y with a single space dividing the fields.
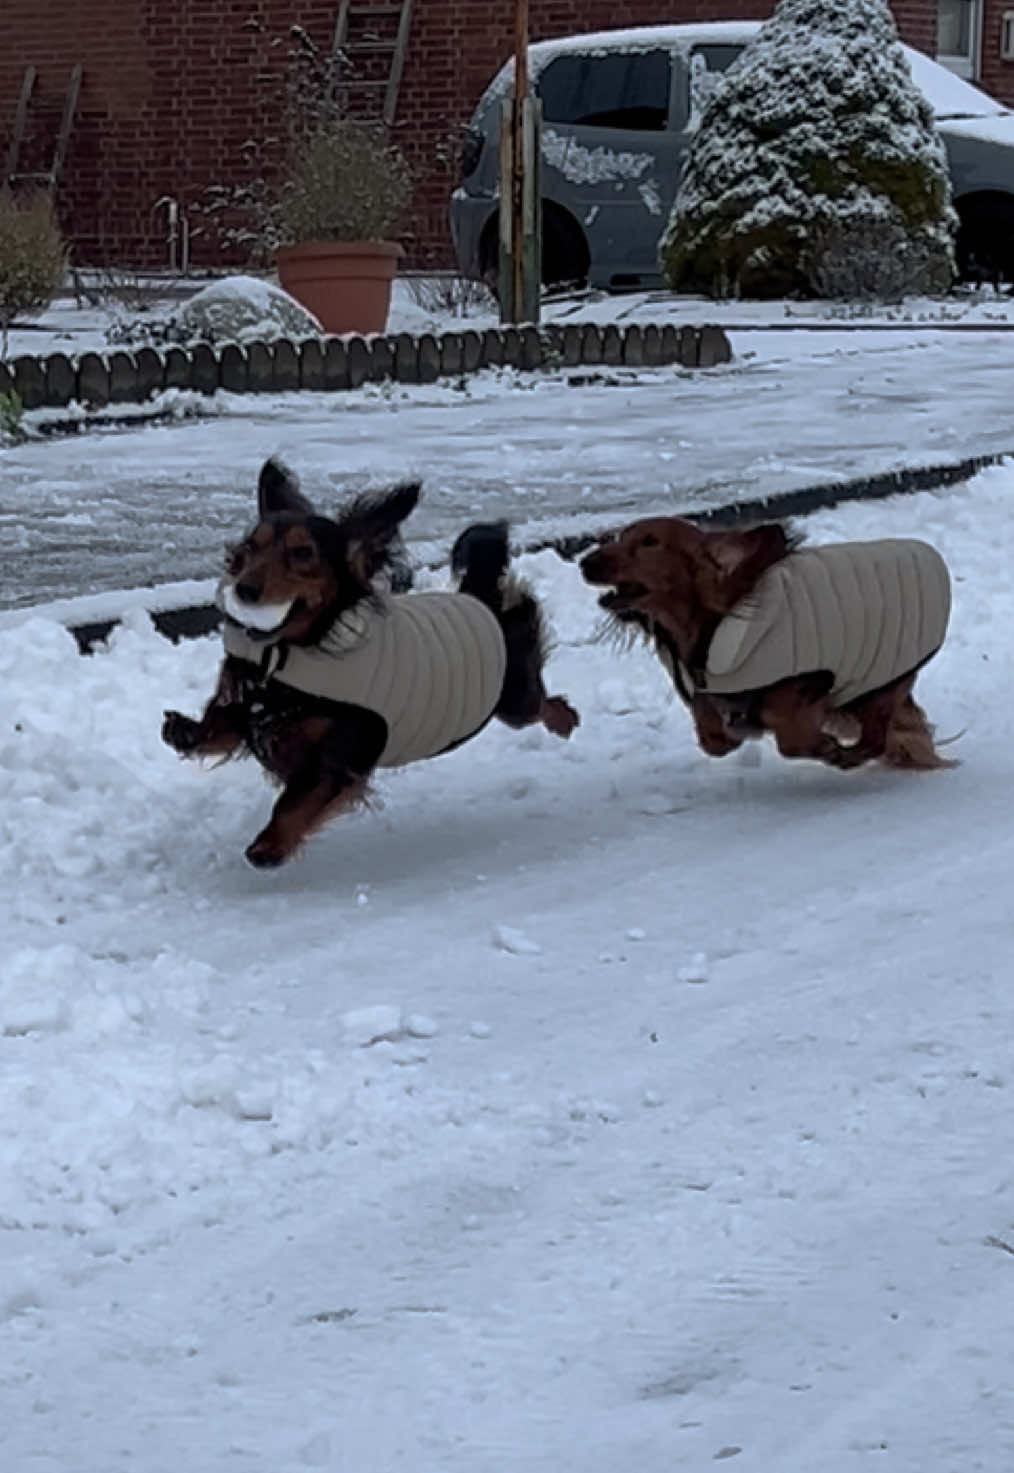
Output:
x=893 y=730
x=909 y=738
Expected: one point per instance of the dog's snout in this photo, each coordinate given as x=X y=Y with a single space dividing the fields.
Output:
x=247 y=593
x=595 y=565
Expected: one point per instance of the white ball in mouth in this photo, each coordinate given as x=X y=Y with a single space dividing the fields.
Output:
x=265 y=617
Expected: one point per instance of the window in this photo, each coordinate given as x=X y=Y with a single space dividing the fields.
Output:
x=1007 y=36
x=959 y=35
x=623 y=89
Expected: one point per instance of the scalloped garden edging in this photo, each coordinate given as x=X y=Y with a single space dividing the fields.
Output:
x=331 y=364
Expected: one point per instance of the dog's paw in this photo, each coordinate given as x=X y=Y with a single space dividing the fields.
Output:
x=718 y=744
x=266 y=853
x=843 y=728
x=180 y=732
x=845 y=759
x=559 y=716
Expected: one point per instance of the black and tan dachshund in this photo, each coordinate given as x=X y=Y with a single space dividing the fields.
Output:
x=329 y=673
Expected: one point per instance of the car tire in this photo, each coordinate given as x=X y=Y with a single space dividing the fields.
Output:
x=566 y=259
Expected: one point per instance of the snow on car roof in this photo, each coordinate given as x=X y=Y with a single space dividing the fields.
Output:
x=642 y=38
x=948 y=95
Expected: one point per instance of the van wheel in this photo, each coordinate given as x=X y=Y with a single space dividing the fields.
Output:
x=985 y=246
x=566 y=259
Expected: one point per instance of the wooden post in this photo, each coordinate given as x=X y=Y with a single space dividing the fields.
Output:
x=505 y=283
x=518 y=151
x=531 y=210
x=520 y=204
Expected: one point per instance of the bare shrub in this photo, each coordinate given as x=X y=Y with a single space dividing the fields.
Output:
x=322 y=176
x=449 y=295
x=341 y=181
x=33 y=257
x=120 y=286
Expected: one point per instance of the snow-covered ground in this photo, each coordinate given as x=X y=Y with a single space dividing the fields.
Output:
x=153 y=505
x=585 y=1106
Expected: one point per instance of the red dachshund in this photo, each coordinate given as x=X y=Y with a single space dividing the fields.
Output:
x=819 y=646
x=329 y=674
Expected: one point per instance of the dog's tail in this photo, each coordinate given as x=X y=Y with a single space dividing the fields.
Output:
x=479 y=559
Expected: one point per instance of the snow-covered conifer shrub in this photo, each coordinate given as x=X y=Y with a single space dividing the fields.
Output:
x=33 y=257
x=816 y=168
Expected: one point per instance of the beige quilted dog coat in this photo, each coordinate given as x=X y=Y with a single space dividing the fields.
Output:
x=431 y=664
x=867 y=611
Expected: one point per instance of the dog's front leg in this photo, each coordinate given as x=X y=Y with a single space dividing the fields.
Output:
x=307 y=803
x=325 y=764
x=222 y=727
x=800 y=717
x=711 y=725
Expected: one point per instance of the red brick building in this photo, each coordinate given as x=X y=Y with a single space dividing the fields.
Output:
x=171 y=90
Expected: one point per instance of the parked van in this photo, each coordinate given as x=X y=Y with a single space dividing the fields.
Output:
x=619 y=110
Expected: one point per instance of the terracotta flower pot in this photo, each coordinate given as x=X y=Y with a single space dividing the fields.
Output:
x=345 y=284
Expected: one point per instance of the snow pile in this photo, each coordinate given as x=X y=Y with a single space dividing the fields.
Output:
x=816 y=167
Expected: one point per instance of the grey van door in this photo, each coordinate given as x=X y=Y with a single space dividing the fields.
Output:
x=610 y=154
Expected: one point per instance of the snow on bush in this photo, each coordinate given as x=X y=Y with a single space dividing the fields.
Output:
x=816 y=169
x=241 y=308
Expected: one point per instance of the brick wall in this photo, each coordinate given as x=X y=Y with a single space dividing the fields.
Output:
x=170 y=95
x=173 y=89
x=997 y=76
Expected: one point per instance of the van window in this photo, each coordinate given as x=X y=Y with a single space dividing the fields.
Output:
x=624 y=89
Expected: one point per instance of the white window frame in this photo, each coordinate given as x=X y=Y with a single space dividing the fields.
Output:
x=1007 y=36
x=968 y=65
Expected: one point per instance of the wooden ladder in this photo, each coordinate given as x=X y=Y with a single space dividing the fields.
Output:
x=373 y=39
x=46 y=179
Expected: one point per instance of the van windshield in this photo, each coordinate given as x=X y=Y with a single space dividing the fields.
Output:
x=620 y=89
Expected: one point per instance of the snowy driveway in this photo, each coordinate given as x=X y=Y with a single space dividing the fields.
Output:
x=154 y=505
x=684 y=1137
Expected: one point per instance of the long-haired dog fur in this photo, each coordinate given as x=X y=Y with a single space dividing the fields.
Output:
x=675 y=583
x=289 y=582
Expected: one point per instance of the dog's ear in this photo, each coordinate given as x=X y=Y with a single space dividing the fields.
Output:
x=278 y=490
x=371 y=527
x=733 y=561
